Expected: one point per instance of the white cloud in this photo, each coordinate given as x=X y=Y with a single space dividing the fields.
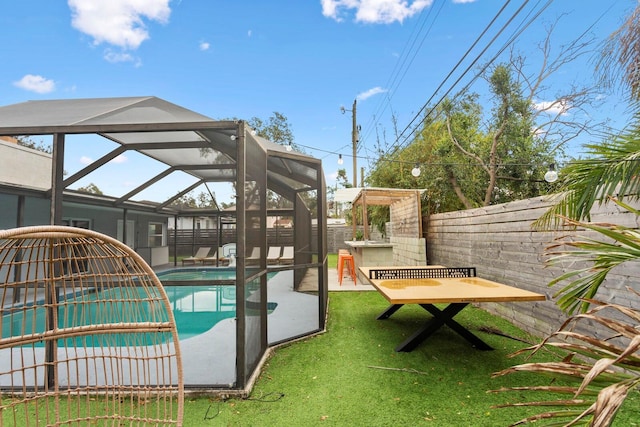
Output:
x=204 y=46
x=464 y=1
x=115 y=57
x=369 y=93
x=374 y=11
x=119 y=159
x=559 y=106
x=117 y=22
x=249 y=33
x=35 y=83
x=86 y=160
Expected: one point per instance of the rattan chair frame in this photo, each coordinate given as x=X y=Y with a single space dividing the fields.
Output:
x=88 y=334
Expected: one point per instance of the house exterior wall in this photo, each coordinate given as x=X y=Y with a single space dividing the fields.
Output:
x=36 y=211
x=102 y=220
x=24 y=166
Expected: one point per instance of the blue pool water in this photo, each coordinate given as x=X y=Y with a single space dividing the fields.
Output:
x=196 y=308
x=187 y=274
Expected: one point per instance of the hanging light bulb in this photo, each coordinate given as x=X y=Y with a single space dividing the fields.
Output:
x=340 y=161
x=289 y=147
x=551 y=175
x=232 y=137
x=416 y=170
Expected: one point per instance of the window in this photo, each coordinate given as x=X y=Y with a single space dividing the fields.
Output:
x=77 y=222
x=130 y=232
x=74 y=256
x=157 y=234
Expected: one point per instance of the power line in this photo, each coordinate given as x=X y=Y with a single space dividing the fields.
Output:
x=407 y=162
x=477 y=40
x=477 y=58
x=393 y=77
x=517 y=32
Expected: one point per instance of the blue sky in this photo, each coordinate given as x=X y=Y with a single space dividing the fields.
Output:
x=302 y=58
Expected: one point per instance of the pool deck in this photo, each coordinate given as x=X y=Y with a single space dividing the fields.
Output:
x=209 y=358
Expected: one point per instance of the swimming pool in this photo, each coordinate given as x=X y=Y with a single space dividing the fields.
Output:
x=193 y=274
x=187 y=274
x=196 y=308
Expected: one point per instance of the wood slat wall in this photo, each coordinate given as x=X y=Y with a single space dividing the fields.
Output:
x=500 y=242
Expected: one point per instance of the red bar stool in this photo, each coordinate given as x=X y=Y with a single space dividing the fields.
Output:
x=346 y=259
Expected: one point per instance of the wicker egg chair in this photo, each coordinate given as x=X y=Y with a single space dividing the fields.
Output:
x=88 y=335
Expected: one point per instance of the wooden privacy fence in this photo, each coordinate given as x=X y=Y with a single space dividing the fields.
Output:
x=190 y=240
x=500 y=242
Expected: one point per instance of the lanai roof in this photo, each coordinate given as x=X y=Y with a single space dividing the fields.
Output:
x=179 y=138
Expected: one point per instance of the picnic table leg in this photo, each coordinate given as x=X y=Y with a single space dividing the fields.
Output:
x=389 y=311
x=446 y=317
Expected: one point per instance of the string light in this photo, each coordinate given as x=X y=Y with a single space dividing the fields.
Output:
x=551 y=175
x=289 y=147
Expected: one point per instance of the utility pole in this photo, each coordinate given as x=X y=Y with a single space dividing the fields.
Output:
x=354 y=142
x=354 y=139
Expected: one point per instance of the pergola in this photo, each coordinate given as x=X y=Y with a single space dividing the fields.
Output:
x=206 y=151
x=375 y=196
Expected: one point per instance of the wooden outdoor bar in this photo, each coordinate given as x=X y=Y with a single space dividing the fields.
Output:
x=408 y=223
x=370 y=254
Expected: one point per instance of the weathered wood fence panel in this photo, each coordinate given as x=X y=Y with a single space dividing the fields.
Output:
x=190 y=240
x=500 y=242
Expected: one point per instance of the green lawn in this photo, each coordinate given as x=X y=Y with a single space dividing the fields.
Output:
x=332 y=260
x=351 y=376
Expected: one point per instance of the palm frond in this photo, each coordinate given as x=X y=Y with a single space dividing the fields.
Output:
x=600 y=387
x=610 y=169
x=624 y=245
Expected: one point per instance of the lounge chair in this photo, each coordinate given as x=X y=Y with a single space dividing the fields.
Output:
x=273 y=256
x=201 y=254
x=254 y=258
x=214 y=259
x=287 y=255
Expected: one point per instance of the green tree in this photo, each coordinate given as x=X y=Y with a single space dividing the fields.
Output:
x=35 y=145
x=473 y=156
x=342 y=179
x=510 y=158
x=601 y=370
x=91 y=188
x=275 y=129
x=191 y=200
